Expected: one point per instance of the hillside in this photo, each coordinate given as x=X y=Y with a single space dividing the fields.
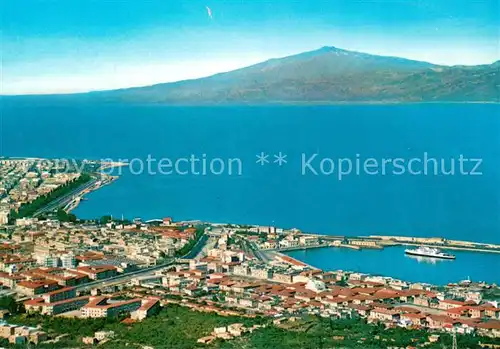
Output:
x=327 y=75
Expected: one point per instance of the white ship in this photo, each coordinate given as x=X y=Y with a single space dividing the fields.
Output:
x=429 y=252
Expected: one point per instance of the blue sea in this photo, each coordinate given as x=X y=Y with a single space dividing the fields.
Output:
x=365 y=201
x=393 y=262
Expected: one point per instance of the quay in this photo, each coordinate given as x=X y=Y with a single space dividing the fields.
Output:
x=322 y=245
x=96 y=184
x=108 y=165
x=381 y=242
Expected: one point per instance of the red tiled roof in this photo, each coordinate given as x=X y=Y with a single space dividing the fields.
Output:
x=441 y=318
x=490 y=325
x=292 y=261
x=96 y=269
x=128 y=321
x=36 y=284
x=452 y=301
x=385 y=311
x=40 y=301
x=101 y=303
x=407 y=309
x=414 y=315
x=148 y=304
x=65 y=289
x=360 y=307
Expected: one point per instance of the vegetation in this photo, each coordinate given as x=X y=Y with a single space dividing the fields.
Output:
x=492 y=294
x=177 y=327
x=327 y=75
x=10 y=304
x=29 y=209
x=105 y=220
x=262 y=236
x=318 y=333
x=174 y=327
x=189 y=246
x=108 y=218
x=63 y=216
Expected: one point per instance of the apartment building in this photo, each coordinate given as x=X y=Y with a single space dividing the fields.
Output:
x=32 y=288
x=39 y=305
x=98 y=272
x=149 y=306
x=100 y=307
x=59 y=295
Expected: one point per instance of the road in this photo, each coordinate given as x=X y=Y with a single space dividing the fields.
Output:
x=258 y=253
x=123 y=278
x=65 y=199
x=129 y=276
x=196 y=248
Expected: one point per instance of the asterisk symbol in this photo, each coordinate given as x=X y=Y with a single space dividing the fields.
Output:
x=280 y=159
x=262 y=159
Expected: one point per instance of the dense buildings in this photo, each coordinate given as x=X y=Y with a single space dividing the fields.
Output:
x=24 y=181
x=119 y=269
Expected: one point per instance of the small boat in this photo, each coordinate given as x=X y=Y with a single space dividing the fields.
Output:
x=429 y=252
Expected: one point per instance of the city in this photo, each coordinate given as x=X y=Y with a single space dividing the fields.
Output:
x=53 y=265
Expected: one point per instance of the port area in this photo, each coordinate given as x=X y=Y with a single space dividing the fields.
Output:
x=98 y=182
x=441 y=243
x=383 y=241
x=106 y=165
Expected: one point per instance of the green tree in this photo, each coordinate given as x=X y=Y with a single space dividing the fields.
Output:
x=9 y=303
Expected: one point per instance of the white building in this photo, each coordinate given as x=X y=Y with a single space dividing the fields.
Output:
x=316 y=286
x=50 y=261
x=308 y=240
x=68 y=260
x=4 y=217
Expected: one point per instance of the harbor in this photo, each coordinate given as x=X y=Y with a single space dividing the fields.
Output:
x=381 y=242
x=71 y=201
x=393 y=262
x=76 y=198
x=413 y=259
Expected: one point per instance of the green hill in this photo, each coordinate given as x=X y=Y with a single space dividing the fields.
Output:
x=328 y=75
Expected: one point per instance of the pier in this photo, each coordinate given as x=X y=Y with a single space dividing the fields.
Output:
x=73 y=202
x=381 y=242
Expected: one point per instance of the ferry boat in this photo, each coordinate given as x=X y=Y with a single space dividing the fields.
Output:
x=429 y=252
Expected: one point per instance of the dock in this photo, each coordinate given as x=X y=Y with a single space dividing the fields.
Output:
x=380 y=242
x=75 y=200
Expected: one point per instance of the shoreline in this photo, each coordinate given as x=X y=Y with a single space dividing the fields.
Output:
x=75 y=202
x=427 y=270
x=381 y=241
x=359 y=243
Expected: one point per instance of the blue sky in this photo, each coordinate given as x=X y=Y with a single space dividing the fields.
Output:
x=60 y=46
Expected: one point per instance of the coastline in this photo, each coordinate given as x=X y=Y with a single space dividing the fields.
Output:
x=105 y=180
x=77 y=199
x=359 y=243
x=378 y=242
x=90 y=97
x=395 y=264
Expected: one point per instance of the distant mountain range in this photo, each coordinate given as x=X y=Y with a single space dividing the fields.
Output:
x=327 y=75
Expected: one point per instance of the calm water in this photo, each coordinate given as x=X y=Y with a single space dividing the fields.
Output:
x=393 y=262
x=459 y=207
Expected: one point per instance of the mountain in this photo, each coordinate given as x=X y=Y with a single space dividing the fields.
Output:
x=327 y=75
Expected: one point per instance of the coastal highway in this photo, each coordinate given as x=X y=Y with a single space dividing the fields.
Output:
x=124 y=278
x=117 y=280
x=196 y=248
x=65 y=199
x=258 y=253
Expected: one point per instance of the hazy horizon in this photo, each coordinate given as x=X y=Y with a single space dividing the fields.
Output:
x=53 y=47
x=194 y=78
